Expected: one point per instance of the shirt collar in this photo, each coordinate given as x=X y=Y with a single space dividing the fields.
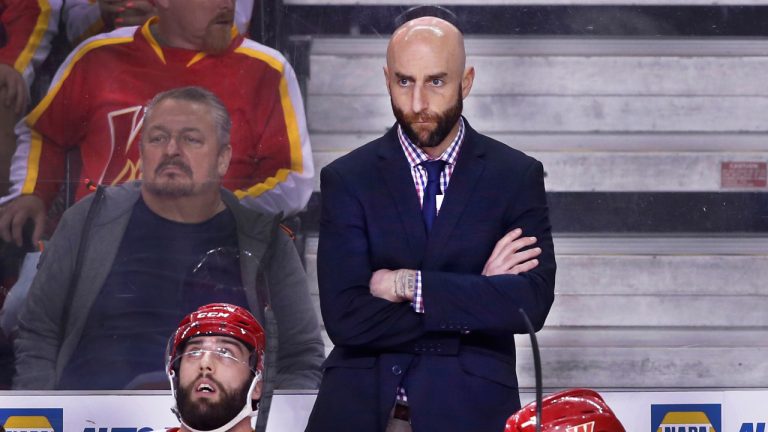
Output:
x=146 y=31
x=416 y=155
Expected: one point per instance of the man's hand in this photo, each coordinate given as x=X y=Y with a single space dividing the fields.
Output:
x=14 y=215
x=507 y=257
x=125 y=13
x=396 y=286
x=13 y=90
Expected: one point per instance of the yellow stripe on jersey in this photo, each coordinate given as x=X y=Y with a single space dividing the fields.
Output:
x=269 y=183
x=33 y=163
x=151 y=39
x=199 y=56
x=35 y=38
x=291 y=126
x=54 y=90
x=266 y=58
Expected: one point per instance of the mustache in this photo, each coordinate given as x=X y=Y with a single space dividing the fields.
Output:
x=426 y=116
x=175 y=162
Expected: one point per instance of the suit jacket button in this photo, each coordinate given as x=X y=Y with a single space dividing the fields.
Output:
x=396 y=370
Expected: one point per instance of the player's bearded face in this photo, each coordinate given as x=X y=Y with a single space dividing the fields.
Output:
x=416 y=125
x=206 y=414
x=218 y=33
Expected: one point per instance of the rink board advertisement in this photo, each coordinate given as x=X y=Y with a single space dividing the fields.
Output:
x=704 y=411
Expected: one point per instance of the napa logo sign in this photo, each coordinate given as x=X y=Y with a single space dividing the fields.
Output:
x=32 y=419
x=686 y=418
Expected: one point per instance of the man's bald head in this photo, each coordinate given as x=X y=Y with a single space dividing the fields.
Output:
x=437 y=34
x=427 y=81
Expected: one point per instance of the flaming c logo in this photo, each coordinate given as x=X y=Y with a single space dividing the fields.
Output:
x=124 y=128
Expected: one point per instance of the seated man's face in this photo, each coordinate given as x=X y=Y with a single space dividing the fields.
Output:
x=214 y=379
x=180 y=151
x=209 y=22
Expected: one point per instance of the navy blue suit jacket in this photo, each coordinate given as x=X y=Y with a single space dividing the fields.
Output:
x=456 y=360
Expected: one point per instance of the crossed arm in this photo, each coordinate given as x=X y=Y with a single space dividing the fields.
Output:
x=368 y=305
x=509 y=257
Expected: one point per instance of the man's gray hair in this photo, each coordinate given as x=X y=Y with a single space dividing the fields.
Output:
x=202 y=96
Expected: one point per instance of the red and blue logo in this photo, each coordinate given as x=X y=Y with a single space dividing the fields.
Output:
x=32 y=419
x=686 y=418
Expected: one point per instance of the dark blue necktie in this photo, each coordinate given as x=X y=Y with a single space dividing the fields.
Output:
x=429 y=206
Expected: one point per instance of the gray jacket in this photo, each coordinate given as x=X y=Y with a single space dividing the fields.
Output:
x=43 y=348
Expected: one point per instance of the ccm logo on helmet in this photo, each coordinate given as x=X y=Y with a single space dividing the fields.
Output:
x=586 y=427
x=213 y=315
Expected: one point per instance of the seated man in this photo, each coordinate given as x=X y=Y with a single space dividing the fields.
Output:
x=95 y=106
x=215 y=364
x=124 y=265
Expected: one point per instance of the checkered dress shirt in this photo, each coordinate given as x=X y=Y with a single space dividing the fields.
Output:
x=415 y=157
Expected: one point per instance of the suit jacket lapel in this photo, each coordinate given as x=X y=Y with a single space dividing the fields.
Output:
x=469 y=167
x=395 y=170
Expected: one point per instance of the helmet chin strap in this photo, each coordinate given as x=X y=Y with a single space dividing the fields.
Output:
x=247 y=410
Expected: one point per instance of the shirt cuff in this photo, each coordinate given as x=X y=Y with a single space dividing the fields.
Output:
x=418 y=300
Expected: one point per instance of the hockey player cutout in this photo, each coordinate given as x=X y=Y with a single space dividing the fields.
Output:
x=214 y=362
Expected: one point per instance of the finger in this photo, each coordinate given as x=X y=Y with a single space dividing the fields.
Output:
x=4 y=96
x=111 y=7
x=10 y=95
x=519 y=258
x=37 y=234
x=512 y=248
x=17 y=227
x=22 y=98
x=503 y=242
x=526 y=255
x=524 y=267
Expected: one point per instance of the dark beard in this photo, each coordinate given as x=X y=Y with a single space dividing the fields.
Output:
x=168 y=188
x=445 y=122
x=206 y=415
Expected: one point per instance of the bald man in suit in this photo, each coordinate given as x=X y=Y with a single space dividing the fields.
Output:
x=431 y=239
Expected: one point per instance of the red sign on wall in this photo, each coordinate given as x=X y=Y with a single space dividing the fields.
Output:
x=743 y=174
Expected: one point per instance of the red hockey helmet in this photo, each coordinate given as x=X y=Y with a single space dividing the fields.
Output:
x=573 y=410
x=218 y=319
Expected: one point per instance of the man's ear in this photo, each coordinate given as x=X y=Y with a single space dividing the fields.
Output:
x=386 y=79
x=256 y=395
x=466 y=81
x=225 y=156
